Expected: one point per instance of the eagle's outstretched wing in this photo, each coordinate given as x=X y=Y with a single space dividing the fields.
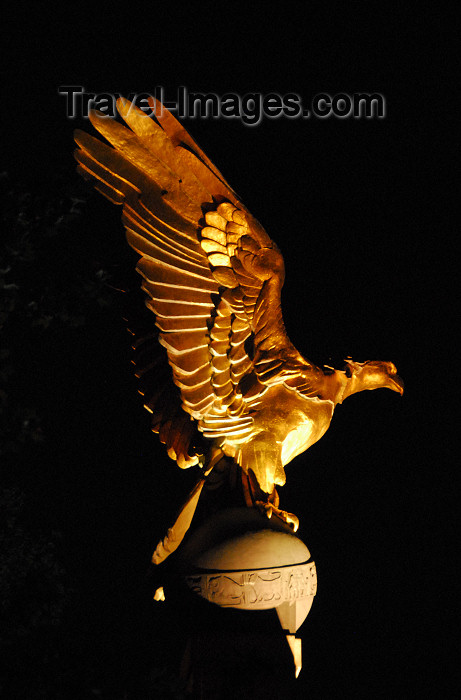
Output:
x=212 y=274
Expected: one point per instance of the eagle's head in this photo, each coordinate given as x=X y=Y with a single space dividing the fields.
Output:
x=374 y=374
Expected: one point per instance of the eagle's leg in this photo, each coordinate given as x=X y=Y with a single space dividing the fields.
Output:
x=262 y=455
x=267 y=504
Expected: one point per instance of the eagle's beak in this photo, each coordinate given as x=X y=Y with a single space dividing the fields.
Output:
x=396 y=384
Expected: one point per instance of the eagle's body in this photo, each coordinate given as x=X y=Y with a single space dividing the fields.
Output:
x=284 y=427
x=213 y=279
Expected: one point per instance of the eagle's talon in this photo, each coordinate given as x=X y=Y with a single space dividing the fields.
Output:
x=289 y=518
x=265 y=508
x=269 y=509
x=293 y=521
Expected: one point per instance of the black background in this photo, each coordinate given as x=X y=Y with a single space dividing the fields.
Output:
x=356 y=208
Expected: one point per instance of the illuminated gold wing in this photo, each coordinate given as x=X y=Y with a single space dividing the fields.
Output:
x=212 y=274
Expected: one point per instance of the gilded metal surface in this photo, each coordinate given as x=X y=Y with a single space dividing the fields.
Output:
x=213 y=282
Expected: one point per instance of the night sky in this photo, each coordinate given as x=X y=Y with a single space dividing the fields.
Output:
x=351 y=203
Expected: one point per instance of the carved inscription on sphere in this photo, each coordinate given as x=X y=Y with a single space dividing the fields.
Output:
x=257 y=590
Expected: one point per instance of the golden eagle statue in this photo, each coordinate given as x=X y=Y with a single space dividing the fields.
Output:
x=213 y=279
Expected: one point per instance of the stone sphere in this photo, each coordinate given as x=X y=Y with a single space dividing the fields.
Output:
x=241 y=559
